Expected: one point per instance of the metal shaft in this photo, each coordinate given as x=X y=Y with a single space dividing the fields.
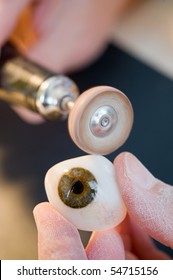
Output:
x=27 y=84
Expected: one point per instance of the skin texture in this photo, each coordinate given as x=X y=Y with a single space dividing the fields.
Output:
x=67 y=34
x=60 y=35
x=150 y=208
x=149 y=201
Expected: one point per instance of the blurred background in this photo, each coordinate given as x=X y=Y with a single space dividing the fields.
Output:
x=138 y=62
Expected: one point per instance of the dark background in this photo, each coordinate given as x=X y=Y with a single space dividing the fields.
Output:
x=32 y=150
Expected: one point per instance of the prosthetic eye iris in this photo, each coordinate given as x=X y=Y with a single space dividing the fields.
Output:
x=85 y=192
x=77 y=187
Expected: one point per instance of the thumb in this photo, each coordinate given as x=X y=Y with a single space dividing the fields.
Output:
x=149 y=201
x=57 y=238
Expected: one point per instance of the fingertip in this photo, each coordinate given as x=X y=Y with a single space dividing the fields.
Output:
x=148 y=200
x=119 y=157
x=48 y=218
x=9 y=19
x=58 y=239
x=105 y=245
x=28 y=116
x=131 y=173
x=119 y=161
x=40 y=209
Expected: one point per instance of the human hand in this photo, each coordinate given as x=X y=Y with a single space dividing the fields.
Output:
x=150 y=207
x=65 y=34
x=59 y=35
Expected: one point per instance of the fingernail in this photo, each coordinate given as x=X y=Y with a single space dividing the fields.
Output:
x=137 y=172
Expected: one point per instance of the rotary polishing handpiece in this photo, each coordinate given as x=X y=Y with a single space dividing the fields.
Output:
x=100 y=119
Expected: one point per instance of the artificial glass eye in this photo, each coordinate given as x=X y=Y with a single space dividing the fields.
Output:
x=77 y=187
x=85 y=192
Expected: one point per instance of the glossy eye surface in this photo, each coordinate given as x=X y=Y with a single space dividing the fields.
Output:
x=85 y=192
x=77 y=187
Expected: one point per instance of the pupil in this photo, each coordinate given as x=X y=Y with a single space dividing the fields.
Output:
x=77 y=187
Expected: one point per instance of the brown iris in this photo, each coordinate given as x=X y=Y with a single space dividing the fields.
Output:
x=77 y=187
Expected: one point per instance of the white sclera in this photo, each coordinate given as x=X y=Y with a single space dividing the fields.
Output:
x=107 y=208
